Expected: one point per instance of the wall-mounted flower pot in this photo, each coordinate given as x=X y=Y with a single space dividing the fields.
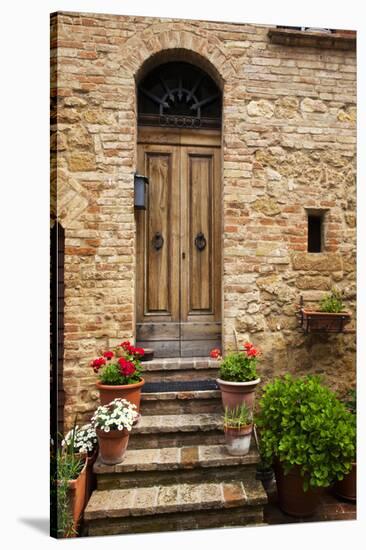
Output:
x=112 y=445
x=131 y=392
x=234 y=394
x=292 y=499
x=312 y=321
x=347 y=487
x=238 y=440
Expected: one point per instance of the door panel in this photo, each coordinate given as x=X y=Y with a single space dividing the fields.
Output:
x=158 y=237
x=179 y=275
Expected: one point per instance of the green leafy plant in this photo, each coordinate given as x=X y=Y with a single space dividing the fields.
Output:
x=240 y=366
x=350 y=400
x=302 y=423
x=238 y=417
x=66 y=465
x=332 y=302
x=119 y=367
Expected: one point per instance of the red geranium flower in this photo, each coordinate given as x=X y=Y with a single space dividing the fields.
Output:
x=215 y=353
x=108 y=354
x=97 y=363
x=248 y=345
x=138 y=351
x=126 y=346
x=127 y=367
x=252 y=352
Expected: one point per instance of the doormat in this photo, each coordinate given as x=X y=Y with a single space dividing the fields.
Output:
x=181 y=385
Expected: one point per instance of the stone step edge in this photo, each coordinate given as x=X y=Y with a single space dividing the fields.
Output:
x=181 y=395
x=177 y=458
x=180 y=364
x=145 y=501
x=171 y=423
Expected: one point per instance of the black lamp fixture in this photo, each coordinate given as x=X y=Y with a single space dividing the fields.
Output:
x=141 y=183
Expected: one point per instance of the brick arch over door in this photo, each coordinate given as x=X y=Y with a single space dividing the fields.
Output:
x=156 y=39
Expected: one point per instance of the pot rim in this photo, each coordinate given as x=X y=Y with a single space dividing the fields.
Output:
x=243 y=431
x=121 y=386
x=229 y=383
x=112 y=433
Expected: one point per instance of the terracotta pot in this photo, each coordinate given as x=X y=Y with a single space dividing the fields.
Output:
x=233 y=394
x=90 y=476
x=112 y=445
x=77 y=495
x=292 y=498
x=347 y=488
x=131 y=392
x=238 y=440
x=148 y=355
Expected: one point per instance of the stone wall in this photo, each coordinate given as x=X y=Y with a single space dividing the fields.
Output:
x=289 y=143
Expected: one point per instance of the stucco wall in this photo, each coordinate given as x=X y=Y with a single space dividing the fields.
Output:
x=289 y=143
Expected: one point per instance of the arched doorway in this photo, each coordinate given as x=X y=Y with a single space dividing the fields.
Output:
x=178 y=300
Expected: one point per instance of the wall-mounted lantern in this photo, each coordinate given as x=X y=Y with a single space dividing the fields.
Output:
x=141 y=189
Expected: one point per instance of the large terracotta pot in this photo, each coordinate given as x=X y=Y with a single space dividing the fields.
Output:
x=347 y=488
x=233 y=394
x=112 y=445
x=292 y=498
x=77 y=495
x=238 y=440
x=131 y=392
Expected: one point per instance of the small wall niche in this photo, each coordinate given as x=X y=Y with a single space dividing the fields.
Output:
x=316 y=231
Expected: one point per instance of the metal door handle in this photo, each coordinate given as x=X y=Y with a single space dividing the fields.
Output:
x=200 y=241
x=157 y=241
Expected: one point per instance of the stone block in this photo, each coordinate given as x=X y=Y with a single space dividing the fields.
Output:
x=81 y=162
x=305 y=261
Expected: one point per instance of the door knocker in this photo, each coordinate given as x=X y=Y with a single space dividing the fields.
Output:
x=157 y=241
x=200 y=241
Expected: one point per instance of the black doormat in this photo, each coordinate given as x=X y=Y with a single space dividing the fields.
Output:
x=190 y=385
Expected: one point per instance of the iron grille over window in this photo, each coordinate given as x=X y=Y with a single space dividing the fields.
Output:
x=179 y=94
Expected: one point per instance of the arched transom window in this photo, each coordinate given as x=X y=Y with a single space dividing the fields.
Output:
x=179 y=94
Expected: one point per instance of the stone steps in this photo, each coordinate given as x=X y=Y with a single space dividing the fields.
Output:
x=175 y=507
x=173 y=430
x=180 y=368
x=194 y=464
x=180 y=402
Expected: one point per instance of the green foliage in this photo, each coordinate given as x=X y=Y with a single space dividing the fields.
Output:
x=238 y=367
x=302 y=423
x=111 y=375
x=238 y=417
x=350 y=400
x=65 y=466
x=332 y=303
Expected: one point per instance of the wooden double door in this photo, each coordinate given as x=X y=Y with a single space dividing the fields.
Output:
x=179 y=243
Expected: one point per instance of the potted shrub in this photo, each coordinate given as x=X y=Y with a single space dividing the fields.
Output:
x=238 y=429
x=329 y=317
x=347 y=487
x=113 y=423
x=238 y=377
x=310 y=438
x=83 y=440
x=119 y=374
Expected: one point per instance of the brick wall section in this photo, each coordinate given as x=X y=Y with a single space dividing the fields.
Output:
x=289 y=143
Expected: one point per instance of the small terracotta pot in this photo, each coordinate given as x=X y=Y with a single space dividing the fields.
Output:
x=238 y=440
x=234 y=394
x=148 y=355
x=347 y=487
x=131 y=392
x=77 y=495
x=292 y=498
x=112 y=445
